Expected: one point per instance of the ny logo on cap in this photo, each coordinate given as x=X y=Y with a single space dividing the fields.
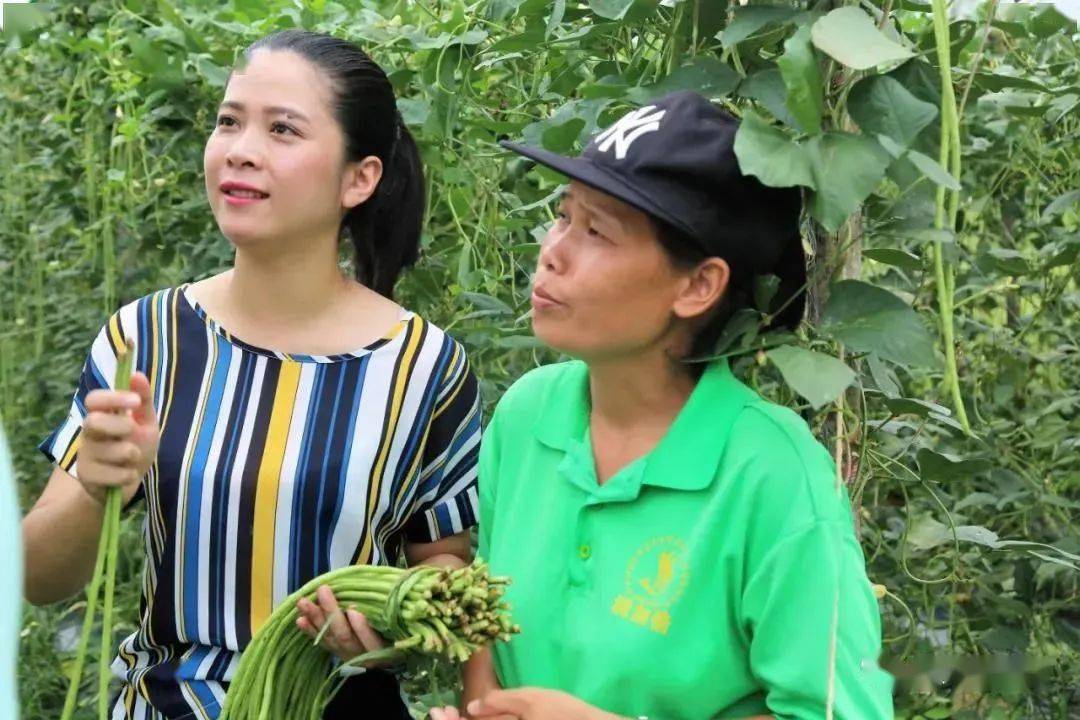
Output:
x=629 y=128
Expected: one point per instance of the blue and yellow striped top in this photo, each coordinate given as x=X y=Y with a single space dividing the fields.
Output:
x=272 y=469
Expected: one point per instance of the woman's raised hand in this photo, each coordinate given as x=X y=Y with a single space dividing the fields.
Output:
x=119 y=440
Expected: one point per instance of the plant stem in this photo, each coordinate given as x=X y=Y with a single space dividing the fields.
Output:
x=950 y=158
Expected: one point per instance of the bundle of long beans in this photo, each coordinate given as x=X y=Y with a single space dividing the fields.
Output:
x=424 y=610
x=104 y=572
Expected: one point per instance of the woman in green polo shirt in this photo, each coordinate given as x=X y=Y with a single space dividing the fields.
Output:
x=680 y=547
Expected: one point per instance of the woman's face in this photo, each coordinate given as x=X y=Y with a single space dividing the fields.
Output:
x=274 y=164
x=605 y=288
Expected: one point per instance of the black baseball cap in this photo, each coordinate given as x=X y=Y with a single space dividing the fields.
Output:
x=674 y=159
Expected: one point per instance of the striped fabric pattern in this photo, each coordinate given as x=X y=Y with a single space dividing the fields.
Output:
x=272 y=469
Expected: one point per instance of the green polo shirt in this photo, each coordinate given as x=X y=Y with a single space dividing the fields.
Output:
x=698 y=582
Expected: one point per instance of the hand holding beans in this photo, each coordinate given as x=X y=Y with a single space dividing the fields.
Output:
x=119 y=440
x=349 y=633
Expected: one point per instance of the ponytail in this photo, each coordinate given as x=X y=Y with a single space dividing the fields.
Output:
x=385 y=230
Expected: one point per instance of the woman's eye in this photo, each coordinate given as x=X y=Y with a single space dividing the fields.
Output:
x=225 y=120
x=282 y=126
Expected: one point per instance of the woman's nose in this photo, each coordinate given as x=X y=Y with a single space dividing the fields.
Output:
x=552 y=251
x=242 y=151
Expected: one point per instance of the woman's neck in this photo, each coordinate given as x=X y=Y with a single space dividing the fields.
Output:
x=631 y=391
x=286 y=287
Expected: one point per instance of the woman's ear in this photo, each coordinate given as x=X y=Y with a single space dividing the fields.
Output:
x=360 y=180
x=703 y=289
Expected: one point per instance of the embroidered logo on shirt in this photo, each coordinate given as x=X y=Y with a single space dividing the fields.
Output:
x=629 y=128
x=656 y=577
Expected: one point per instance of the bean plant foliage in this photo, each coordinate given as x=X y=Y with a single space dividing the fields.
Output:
x=936 y=151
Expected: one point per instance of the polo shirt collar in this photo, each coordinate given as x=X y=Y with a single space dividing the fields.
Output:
x=686 y=458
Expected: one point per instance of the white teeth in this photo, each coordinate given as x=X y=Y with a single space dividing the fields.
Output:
x=245 y=193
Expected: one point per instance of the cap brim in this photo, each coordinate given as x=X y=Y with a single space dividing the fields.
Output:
x=584 y=170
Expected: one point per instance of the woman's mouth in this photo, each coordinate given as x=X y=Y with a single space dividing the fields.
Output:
x=541 y=300
x=241 y=195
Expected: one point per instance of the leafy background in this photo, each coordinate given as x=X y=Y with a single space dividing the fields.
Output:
x=939 y=359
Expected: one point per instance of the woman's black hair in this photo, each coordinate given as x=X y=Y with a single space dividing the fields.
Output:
x=685 y=252
x=385 y=229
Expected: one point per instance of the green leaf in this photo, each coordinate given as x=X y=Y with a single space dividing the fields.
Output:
x=706 y=75
x=926 y=533
x=1061 y=203
x=1049 y=21
x=849 y=36
x=881 y=105
x=748 y=19
x=802 y=78
x=895 y=257
x=943 y=467
x=414 y=111
x=216 y=75
x=817 y=377
x=915 y=406
x=770 y=155
x=932 y=169
x=871 y=319
x=767 y=88
x=611 y=9
x=846 y=169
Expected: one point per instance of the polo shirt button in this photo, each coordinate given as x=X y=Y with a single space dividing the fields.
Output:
x=584 y=552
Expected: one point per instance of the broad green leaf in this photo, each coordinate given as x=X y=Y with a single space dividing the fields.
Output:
x=926 y=533
x=802 y=78
x=817 y=377
x=915 y=406
x=846 y=169
x=932 y=169
x=611 y=9
x=1061 y=203
x=414 y=111
x=1048 y=21
x=849 y=36
x=558 y=10
x=771 y=155
x=884 y=376
x=942 y=467
x=706 y=75
x=881 y=105
x=871 y=319
x=895 y=257
x=767 y=88
x=748 y=19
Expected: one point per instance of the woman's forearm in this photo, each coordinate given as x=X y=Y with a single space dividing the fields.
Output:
x=478 y=677
x=60 y=537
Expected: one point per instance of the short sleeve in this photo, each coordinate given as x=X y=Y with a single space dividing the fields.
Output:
x=811 y=579
x=448 y=504
x=98 y=373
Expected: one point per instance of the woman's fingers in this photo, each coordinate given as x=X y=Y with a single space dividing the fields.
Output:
x=144 y=412
x=112 y=401
x=370 y=639
x=339 y=627
x=103 y=475
x=445 y=713
x=121 y=454
x=102 y=426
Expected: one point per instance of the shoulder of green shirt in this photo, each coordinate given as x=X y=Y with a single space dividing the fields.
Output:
x=790 y=464
x=527 y=394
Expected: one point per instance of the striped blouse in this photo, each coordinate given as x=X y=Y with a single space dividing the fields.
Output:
x=273 y=468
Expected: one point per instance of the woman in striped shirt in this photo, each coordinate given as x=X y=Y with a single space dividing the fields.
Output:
x=284 y=420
